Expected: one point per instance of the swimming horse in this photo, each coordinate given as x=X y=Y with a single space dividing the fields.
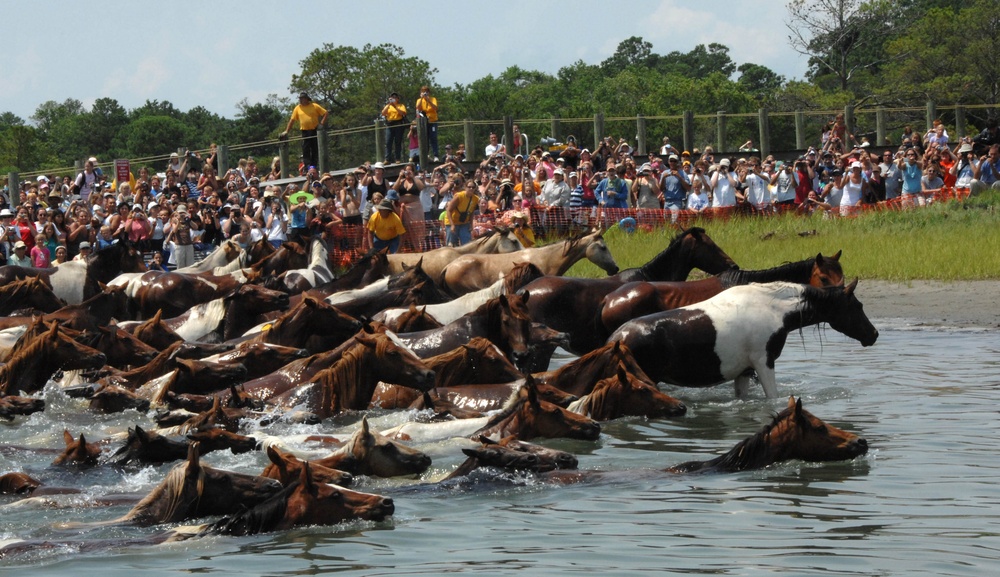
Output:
x=740 y=329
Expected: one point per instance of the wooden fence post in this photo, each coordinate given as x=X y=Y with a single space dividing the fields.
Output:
x=322 y=144
x=849 y=122
x=764 y=123
x=800 y=130
x=222 y=159
x=640 y=135
x=470 y=141
x=598 y=129
x=720 y=131
x=880 y=126
x=556 y=126
x=931 y=113
x=960 y=121
x=379 y=141
x=422 y=140
x=14 y=188
x=687 y=125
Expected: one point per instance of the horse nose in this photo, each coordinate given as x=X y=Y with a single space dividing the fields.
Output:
x=566 y=461
x=301 y=353
x=427 y=377
x=680 y=409
x=101 y=358
x=387 y=505
x=591 y=431
x=346 y=479
x=613 y=271
x=861 y=445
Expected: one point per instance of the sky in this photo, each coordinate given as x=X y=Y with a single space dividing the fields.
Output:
x=216 y=53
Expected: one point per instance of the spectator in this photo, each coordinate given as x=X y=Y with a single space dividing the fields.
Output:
x=930 y=184
x=555 y=192
x=394 y=113
x=385 y=227
x=494 y=149
x=182 y=237
x=84 y=251
x=723 y=185
x=911 y=168
x=987 y=171
x=414 y=143
x=612 y=192
x=427 y=109
x=460 y=212
x=757 y=192
x=698 y=195
x=40 y=256
x=20 y=256
x=522 y=228
x=672 y=189
x=157 y=263
x=965 y=167
x=61 y=257
x=784 y=186
x=310 y=117
x=853 y=187
x=86 y=182
x=350 y=199
x=987 y=138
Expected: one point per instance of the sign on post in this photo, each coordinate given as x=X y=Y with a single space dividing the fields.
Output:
x=122 y=170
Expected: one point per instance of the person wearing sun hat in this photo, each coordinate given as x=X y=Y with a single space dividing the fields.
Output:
x=521 y=228
x=19 y=256
x=385 y=227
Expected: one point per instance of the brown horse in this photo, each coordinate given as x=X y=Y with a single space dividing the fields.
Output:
x=638 y=299
x=149 y=447
x=370 y=268
x=33 y=364
x=370 y=453
x=96 y=311
x=12 y=406
x=350 y=382
x=114 y=399
x=311 y=317
x=580 y=375
x=497 y=242
x=121 y=348
x=286 y=467
x=413 y=320
x=624 y=395
x=259 y=359
x=290 y=255
x=306 y=502
x=479 y=362
x=473 y=272
x=531 y=417
x=573 y=305
x=512 y=454
x=192 y=490
x=228 y=316
x=794 y=433
x=504 y=321
x=174 y=293
x=155 y=333
x=30 y=293
x=17 y=484
x=78 y=452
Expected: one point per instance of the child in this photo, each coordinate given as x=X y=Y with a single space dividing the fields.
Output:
x=40 y=257
x=104 y=240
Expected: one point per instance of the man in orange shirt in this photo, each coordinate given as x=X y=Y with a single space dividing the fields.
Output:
x=310 y=116
x=427 y=107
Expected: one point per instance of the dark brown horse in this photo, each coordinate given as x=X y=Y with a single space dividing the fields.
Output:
x=17 y=484
x=13 y=406
x=531 y=417
x=414 y=320
x=259 y=359
x=309 y=318
x=637 y=299
x=573 y=305
x=306 y=502
x=350 y=382
x=115 y=399
x=374 y=266
x=121 y=348
x=290 y=255
x=155 y=333
x=512 y=454
x=794 y=433
x=504 y=321
x=96 y=311
x=33 y=364
x=580 y=375
x=173 y=293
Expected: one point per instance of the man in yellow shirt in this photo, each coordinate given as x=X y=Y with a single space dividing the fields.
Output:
x=395 y=121
x=427 y=106
x=460 y=209
x=385 y=227
x=310 y=116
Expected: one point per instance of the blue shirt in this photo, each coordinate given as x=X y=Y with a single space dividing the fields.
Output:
x=670 y=184
x=620 y=190
x=911 y=178
x=987 y=176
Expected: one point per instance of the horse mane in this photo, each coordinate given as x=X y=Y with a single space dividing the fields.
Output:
x=571 y=242
x=673 y=246
x=597 y=401
x=350 y=369
x=172 y=488
x=750 y=453
x=29 y=354
x=512 y=406
x=520 y=275
x=258 y=519
x=798 y=272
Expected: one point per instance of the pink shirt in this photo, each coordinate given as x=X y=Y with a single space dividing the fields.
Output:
x=40 y=257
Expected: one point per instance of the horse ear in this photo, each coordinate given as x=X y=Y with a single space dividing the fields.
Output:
x=524 y=297
x=487 y=441
x=798 y=407
x=836 y=257
x=529 y=384
x=791 y=403
x=819 y=259
x=365 y=430
x=413 y=308
x=193 y=459
x=503 y=300
x=141 y=434
x=274 y=456
x=306 y=478
x=849 y=289
x=68 y=438
x=622 y=374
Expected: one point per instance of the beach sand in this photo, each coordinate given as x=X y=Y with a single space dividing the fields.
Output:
x=959 y=304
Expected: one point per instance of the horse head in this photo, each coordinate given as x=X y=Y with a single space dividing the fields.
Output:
x=315 y=503
x=17 y=484
x=397 y=364
x=148 y=447
x=598 y=253
x=78 y=452
x=531 y=417
x=221 y=492
x=545 y=459
x=286 y=468
x=372 y=453
x=67 y=354
x=798 y=434
x=844 y=312
x=827 y=271
x=256 y=299
x=509 y=314
x=626 y=395
x=218 y=439
x=113 y=399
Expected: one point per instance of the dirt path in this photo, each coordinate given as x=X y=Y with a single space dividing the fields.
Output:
x=954 y=304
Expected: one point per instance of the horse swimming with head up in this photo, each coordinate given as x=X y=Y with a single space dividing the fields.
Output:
x=741 y=329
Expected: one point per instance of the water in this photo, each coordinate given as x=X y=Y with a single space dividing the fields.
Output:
x=923 y=501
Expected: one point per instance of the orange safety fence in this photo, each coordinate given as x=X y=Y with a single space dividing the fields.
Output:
x=348 y=243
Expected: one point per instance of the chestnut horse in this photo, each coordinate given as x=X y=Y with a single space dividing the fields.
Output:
x=286 y=467
x=511 y=454
x=504 y=321
x=794 y=433
x=473 y=272
x=741 y=328
x=78 y=452
x=573 y=305
x=623 y=396
x=350 y=382
x=579 y=376
x=305 y=502
x=637 y=299
x=29 y=293
x=309 y=318
x=12 y=406
x=33 y=364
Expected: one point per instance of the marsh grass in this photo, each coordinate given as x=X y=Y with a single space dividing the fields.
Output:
x=946 y=241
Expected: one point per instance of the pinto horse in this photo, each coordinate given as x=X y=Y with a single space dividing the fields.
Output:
x=740 y=329
x=76 y=281
x=473 y=272
x=794 y=433
x=637 y=299
x=316 y=272
x=305 y=502
x=504 y=321
x=33 y=364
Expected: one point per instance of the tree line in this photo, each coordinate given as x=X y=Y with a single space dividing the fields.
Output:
x=892 y=53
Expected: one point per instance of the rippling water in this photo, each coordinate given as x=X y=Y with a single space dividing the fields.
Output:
x=924 y=501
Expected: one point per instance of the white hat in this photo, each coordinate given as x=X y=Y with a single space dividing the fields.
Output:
x=856 y=164
x=92 y=159
x=84 y=245
x=378 y=165
x=965 y=148
x=6 y=212
x=181 y=208
x=20 y=244
x=724 y=162
x=646 y=167
x=559 y=171
x=174 y=155
x=42 y=178
x=673 y=157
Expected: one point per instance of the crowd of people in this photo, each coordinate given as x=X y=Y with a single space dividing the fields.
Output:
x=189 y=206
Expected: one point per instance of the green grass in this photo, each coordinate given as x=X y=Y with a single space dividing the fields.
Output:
x=947 y=241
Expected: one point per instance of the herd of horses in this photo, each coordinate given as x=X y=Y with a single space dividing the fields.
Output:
x=212 y=356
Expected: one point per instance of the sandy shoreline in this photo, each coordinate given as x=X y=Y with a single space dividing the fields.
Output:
x=935 y=303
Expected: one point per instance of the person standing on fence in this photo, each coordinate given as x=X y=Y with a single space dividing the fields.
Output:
x=427 y=109
x=310 y=117
x=461 y=209
x=396 y=120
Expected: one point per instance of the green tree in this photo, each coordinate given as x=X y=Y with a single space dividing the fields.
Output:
x=760 y=81
x=154 y=136
x=633 y=51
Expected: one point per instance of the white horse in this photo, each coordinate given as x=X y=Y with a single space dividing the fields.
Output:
x=445 y=313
